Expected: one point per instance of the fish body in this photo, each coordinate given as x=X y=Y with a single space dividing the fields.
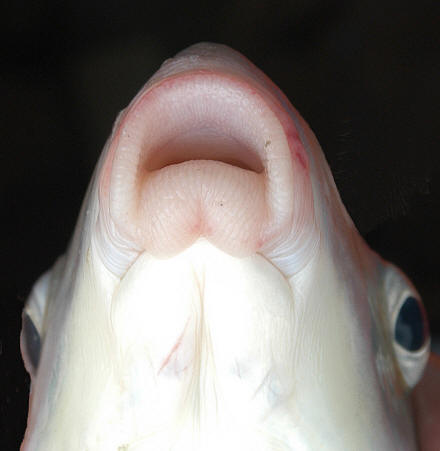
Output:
x=216 y=294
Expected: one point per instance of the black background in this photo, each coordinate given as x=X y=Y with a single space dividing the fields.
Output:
x=365 y=75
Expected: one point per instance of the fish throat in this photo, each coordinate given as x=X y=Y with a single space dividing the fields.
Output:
x=201 y=368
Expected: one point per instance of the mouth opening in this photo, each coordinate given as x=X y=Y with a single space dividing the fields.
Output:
x=196 y=117
x=205 y=143
x=200 y=155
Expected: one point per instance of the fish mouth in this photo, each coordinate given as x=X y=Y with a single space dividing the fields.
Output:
x=207 y=143
x=205 y=154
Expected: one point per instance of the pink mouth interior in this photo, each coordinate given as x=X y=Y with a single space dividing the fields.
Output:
x=204 y=144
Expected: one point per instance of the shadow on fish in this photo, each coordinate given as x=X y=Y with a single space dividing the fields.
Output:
x=216 y=294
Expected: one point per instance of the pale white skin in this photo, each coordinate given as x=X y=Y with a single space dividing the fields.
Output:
x=203 y=306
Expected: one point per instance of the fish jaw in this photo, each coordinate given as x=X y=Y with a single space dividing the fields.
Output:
x=205 y=150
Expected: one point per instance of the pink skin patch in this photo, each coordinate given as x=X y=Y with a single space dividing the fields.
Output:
x=173 y=351
x=297 y=149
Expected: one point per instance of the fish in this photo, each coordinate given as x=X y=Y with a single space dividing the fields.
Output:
x=216 y=294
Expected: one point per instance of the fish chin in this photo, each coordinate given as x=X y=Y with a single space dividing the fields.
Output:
x=202 y=358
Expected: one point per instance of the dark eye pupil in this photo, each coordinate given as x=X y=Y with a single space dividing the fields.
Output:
x=410 y=325
x=32 y=338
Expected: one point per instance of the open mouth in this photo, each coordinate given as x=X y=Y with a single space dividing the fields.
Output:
x=205 y=143
x=203 y=154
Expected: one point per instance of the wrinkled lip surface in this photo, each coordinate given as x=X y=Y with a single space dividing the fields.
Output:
x=250 y=180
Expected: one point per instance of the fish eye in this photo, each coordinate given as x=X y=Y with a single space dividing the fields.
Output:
x=31 y=344
x=408 y=326
x=31 y=337
x=410 y=330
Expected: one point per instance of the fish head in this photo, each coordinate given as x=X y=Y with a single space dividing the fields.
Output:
x=215 y=293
